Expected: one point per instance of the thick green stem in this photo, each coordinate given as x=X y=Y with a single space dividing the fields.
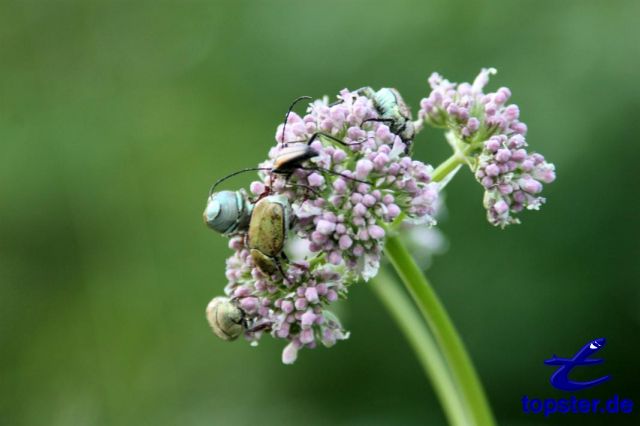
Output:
x=445 y=333
x=446 y=360
x=416 y=332
x=448 y=166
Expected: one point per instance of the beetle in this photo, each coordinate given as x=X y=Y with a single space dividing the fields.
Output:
x=266 y=223
x=228 y=212
x=392 y=110
x=292 y=155
x=226 y=318
x=267 y=233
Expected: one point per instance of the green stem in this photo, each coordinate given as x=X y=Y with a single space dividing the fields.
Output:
x=444 y=331
x=416 y=332
x=448 y=166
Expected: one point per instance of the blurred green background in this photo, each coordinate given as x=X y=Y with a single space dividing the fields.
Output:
x=115 y=117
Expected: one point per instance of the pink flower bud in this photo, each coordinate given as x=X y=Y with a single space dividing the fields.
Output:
x=376 y=232
x=287 y=306
x=315 y=179
x=500 y=207
x=363 y=168
x=290 y=354
x=345 y=242
x=307 y=319
x=311 y=294
x=325 y=227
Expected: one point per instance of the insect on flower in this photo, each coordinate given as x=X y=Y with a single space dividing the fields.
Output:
x=268 y=233
x=392 y=111
x=291 y=158
x=228 y=320
x=266 y=223
x=228 y=212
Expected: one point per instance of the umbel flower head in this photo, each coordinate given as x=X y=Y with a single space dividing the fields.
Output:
x=341 y=206
x=359 y=179
x=336 y=181
x=487 y=131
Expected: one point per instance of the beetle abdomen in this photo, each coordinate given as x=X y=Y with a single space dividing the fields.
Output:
x=292 y=156
x=266 y=264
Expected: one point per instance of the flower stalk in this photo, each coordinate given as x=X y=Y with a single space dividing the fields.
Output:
x=340 y=184
x=447 y=167
x=404 y=312
x=447 y=350
x=448 y=340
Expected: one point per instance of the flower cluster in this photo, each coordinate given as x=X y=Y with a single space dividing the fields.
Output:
x=357 y=180
x=340 y=206
x=512 y=178
x=489 y=134
x=335 y=182
x=294 y=308
x=469 y=112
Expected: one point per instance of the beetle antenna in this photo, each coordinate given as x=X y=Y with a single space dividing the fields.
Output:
x=328 y=136
x=250 y=169
x=320 y=169
x=286 y=117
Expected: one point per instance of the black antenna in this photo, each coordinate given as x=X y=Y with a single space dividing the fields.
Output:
x=251 y=169
x=286 y=117
x=321 y=169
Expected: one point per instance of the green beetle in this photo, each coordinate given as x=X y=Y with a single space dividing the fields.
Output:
x=268 y=233
x=393 y=111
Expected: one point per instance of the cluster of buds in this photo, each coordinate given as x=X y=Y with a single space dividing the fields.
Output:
x=486 y=130
x=356 y=188
x=293 y=308
x=348 y=177
x=336 y=180
x=512 y=178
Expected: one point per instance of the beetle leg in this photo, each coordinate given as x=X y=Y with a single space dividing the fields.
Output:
x=301 y=265
x=279 y=266
x=333 y=138
x=258 y=326
x=307 y=187
x=267 y=192
x=326 y=135
x=388 y=121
